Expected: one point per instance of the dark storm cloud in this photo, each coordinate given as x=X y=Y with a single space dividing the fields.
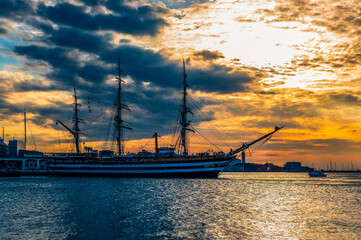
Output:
x=219 y=79
x=56 y=57
x=15 y=9
x=141 y=64
x=129 y=22
x=3 y=30
x=59 y=110
x=148 y=66
x=92 y=2
x=88 y=42
x=41 y=24
x=64 y=68
x=9 y=109
x=145 y=11
x=94 y=73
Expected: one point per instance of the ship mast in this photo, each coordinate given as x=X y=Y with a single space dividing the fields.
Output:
x=76 y=121
x=75 y=131
x=119 y=122
x=185 y=109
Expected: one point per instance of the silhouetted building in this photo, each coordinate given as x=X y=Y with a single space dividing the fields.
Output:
x=238 y=166
x=4 y=149
x=15 y=146
x=296 y=167
x=270 y=167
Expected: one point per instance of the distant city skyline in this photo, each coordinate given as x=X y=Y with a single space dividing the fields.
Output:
x=251 y=65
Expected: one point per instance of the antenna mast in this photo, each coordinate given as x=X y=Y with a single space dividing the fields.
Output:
x=185 y=109
x=119 y=122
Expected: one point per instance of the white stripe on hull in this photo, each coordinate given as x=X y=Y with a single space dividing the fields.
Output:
x=150 y=165
x=115 y=171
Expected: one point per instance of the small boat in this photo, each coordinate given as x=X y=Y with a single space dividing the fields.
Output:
x=9 y=173
x=316 y=173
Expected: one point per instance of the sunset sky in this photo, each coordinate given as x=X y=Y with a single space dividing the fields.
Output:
x=251 y=65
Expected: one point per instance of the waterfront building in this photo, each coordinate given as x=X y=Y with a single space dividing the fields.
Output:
x=296 y=167
x=15 y=146
x=4 y=149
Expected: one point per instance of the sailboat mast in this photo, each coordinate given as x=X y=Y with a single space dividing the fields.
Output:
x=185 y=109
x=76 y=122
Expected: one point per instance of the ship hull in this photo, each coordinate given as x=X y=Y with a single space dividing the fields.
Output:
x=206 y=174
x=204 y=168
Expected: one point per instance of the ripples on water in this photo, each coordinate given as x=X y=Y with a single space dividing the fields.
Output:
x=234 y=206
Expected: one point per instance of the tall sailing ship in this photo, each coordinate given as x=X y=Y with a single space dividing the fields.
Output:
x=165 y=162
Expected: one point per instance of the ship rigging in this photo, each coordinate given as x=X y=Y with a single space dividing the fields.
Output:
x=118 y=120
x=76 y=120
x=163 y=163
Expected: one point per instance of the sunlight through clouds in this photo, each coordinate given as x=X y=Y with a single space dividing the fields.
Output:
x=250 y=65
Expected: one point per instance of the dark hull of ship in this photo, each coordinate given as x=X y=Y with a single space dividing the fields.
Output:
x=170 y=168
x=208 y=174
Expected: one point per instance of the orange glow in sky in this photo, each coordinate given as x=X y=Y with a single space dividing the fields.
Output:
x=251 y=65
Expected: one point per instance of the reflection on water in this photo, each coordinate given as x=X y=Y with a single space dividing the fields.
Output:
x=235 y=206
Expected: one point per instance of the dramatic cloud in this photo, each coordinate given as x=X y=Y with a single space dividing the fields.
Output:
x=3 y=30
x=69 y=37
x=342 y=18
x=142 y=65
x=15 y=9
x=149 y=66
x=249 y=65
x=142 y=21
x=56 y=57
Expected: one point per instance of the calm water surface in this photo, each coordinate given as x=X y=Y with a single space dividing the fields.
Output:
x=234 y=206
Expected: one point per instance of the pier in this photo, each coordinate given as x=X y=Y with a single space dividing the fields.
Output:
x=29 y=165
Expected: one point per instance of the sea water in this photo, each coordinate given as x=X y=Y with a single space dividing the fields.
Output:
x=234 y=206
